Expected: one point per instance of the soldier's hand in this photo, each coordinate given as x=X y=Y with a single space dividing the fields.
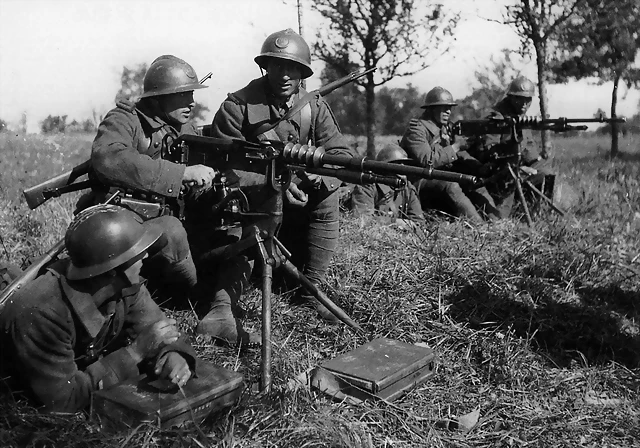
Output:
x=173 y=367
x=153 y=338
x=199 y=175
x=296 y=196
x=315 y=180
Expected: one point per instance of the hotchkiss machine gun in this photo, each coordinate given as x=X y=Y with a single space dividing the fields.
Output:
x=256 y=207
x=513 y=157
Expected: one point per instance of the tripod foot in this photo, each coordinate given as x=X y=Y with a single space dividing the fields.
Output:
x=311 y=302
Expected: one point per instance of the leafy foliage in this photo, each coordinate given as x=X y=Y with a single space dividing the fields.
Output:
x=54 y=124
x=399 y=37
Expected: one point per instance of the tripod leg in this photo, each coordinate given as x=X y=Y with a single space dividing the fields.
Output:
x=290 y=269
x=267 y=280
x=516 y=178
x=545 y=198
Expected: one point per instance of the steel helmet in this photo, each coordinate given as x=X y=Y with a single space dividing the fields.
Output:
x=438 y=96
x=393 y=153
x=169 y=74
x=286 y=44
x=521 y=86
x=103 y=237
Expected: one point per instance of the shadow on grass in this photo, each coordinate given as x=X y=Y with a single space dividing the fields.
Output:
x=563 y=331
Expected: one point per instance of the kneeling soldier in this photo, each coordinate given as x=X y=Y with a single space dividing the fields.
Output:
x=88 y=322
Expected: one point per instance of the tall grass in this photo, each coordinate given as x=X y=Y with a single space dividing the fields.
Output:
x=535 y=329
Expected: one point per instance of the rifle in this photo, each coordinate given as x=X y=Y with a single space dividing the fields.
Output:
x=34 y=268
x=58 y=185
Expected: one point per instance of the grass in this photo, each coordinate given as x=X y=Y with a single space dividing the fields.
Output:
x=536 y=330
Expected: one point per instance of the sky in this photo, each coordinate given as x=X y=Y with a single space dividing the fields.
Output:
x=65 y=57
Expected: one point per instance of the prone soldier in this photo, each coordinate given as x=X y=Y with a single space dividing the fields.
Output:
x=379 y=199
x=310 y=222
x=428 y=141
x=89 y=322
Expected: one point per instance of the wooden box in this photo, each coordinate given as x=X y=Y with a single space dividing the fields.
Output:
x=130 y=403
x=382 y=368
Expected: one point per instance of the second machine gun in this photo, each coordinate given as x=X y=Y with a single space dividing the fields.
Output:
x=508 y=155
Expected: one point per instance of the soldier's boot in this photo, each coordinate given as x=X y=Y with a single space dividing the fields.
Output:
x=220 y=322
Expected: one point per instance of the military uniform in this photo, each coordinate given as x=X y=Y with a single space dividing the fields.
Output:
x=311 y=232
x=431 y=146
x=383 y=200
x=126 y=153
x=60 y=347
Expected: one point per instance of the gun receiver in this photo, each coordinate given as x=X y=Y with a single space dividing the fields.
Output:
x=56 y=186
x=504 y=125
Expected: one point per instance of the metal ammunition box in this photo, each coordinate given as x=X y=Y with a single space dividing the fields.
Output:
x=383 y=368
x=130 y=403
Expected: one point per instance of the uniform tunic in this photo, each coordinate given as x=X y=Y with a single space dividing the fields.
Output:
x=310 y=233
x=431 y=145
x=126 y=153
x=59 y=346
x=383 y=200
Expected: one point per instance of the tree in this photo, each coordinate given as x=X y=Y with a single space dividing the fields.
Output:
x=347 y=102
x=399 y=37
x=396 y=107
x=537 y=22
x=602 y=41
x=131 y=82
x=493 y=80
x=54 y=124
x=3 y=125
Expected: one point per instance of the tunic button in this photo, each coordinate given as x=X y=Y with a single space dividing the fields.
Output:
x=156 y=144
x=170 y=190
x=291 y=137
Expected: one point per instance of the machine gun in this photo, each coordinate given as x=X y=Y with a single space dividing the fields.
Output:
x=507 y=156
x=260 y=216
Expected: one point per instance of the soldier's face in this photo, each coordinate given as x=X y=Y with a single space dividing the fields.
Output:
x=441 y=114
x=520 y=104
x=284 y=77
x=177 y=107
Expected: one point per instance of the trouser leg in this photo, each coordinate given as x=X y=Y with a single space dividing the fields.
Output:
x=173 y=263
x=481 y=198
x=447 y=196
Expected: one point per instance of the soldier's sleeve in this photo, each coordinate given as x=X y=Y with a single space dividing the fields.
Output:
x=228 y=120
x=414 y=208
x=416 y=142
x=116 y=161
x=142 y=312
x=363 y=200
x=44 y=341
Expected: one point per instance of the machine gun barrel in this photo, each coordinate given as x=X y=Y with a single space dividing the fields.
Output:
x=505 y=125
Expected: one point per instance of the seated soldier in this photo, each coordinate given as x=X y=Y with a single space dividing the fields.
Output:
x=379 y=199
x=516 y=103
x=89 y=322
x=428 y=141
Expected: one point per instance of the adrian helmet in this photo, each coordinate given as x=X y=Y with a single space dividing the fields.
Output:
x=169 y=74
x=521 y=86
x=289 y=45
x=393 y=153
x=103 y=237
x=438 y=96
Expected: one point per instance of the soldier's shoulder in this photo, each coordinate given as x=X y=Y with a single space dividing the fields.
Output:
x=126 y=105
x=251 y=93
x=42 y=296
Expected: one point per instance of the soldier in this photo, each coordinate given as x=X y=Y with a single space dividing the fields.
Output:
x=403 y=204
x=310 y=224
x=89 y=322
x=127 y=154
x=428 y=141
x=516 y=103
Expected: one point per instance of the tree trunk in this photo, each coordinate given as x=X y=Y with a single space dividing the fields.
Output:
x=371 y=131
x=614 y=126
x=541 y=58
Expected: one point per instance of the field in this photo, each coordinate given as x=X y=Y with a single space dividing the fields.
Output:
x=537 y=331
